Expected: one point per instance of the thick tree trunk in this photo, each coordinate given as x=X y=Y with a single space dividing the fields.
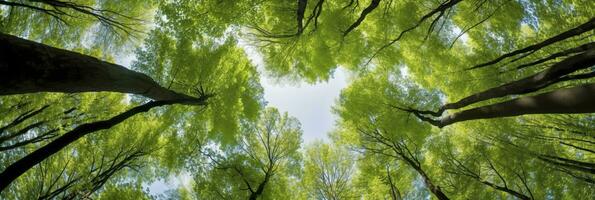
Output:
x=259 y=190
x=579 y=99
x=29 y=67
x=529 y=84
x=21 y=166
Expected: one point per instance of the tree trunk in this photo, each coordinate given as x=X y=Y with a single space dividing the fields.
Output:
x=254 y=195
x=579 y=99
x=434 y=189
x=530 y=84
x=29 y=67
x=21 y=166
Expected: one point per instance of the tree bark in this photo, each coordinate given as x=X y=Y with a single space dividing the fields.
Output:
x=29 y=67
x=529 y=84
x=21 y=166
x=578 y=99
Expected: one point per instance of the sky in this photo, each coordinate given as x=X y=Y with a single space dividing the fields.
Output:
x=310 y=104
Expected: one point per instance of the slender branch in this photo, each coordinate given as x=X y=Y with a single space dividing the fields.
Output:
x=588 y=26
x=362 y=16
x=440 y=10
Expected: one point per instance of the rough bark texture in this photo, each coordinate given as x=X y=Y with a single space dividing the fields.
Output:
x=21 y=166
x=579 y=99
x=29 y=67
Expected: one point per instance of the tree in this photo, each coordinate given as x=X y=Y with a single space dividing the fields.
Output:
x=232 y=105
x=378 y=131
x=256 y=168
x=30 y=67
x=82 y=168
x=329 y=172
x=422 y=75
x=62 y=9
x=16 y=169
x=545 y=103
x=572 y=100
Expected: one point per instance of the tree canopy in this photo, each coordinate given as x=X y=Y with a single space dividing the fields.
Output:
x=448 y=99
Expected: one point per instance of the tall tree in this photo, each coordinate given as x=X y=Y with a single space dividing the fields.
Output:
x=329 y=172
x=18 y=168
x=29 y=67
x=255 y=168
x=410 y=62
x=379 y=131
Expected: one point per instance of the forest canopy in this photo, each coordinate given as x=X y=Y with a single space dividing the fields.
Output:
x=447 y=99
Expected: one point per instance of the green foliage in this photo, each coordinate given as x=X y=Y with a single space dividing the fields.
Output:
x=236 y=142
x=329 y=172
x=267 y=155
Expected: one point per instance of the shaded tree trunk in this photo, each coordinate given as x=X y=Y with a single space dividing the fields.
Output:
x=529 y=84
x=29 y=67
x=21 y=166
x=578 y=99
x=254 y=195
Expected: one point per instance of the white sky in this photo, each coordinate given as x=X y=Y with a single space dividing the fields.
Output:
x=310 y=104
